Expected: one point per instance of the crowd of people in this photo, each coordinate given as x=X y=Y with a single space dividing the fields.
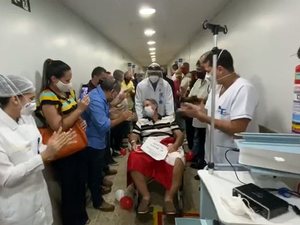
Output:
x=116 y=107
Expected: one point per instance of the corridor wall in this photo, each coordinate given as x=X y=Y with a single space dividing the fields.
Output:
x=53 y=31
x=262 y=37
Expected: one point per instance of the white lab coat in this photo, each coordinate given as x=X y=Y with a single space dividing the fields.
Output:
x=24 y=198
x=239 y=101
x=163 y=95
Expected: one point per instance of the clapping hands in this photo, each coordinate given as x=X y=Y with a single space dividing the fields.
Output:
x=194 y=111
x=58 y=140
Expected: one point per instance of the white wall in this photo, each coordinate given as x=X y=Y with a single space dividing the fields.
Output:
x=52 y=31
x=262 y=36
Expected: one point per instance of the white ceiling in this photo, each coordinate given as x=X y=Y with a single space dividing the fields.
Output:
x=176 y=22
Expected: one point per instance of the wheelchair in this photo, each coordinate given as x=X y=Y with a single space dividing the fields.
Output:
x=178 y=199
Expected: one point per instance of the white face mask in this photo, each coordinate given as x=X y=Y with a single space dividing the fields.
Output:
x=208 y=76
x=28 y=108
x=236 y=206
x=148 y=111
x=64 y=87
x=153 y=78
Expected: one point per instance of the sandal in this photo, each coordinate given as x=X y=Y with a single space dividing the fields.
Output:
x=170 y=208
x=143 y=206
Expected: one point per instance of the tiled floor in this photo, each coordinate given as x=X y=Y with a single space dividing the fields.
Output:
x=122 y=217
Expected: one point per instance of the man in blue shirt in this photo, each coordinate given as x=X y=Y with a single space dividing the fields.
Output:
x=98 y=126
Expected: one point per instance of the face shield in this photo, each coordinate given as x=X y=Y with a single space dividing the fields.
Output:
x=154 y=73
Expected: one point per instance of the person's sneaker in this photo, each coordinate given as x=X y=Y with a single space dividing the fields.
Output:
x=106 y=190
x=107 y=182
x=106 y=207
x=143 y=206
x=125 y=143
x=111 y=172
x=113 y=162
x=116 y=155
x=170 y=208
x=185 y=141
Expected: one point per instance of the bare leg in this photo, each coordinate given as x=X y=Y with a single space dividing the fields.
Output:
x=176 y=180
x=141 y=184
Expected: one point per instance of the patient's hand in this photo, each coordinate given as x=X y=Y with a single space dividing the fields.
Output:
x=133 y=147
x=171 y=148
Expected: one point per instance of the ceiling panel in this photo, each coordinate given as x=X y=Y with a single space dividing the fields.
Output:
x=176 y=22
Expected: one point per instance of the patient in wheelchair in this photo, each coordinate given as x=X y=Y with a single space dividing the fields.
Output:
x=140 y=166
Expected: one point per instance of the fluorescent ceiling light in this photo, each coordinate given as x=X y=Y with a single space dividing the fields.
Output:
x=152 y=49
x=279 y=159
x=153 y=60
x=147 y=11
x=153 y=56
x=151 y=42
x=149 y=32
x=152 y=53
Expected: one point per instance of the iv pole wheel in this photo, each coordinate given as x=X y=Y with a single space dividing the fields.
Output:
x=225 y=29
x=204 y=24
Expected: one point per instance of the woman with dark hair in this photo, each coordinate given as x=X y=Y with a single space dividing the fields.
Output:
x=57 y=105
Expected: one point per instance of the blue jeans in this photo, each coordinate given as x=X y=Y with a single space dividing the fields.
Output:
x=199 y=145
x=96 y=158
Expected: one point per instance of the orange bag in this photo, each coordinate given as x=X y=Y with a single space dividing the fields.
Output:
x=81 y=140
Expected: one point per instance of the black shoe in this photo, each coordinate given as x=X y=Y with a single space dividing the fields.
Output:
x=111 y=172
x=113 y=162
x=116 y=155
x=197 y=177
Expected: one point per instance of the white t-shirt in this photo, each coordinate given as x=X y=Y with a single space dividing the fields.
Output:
x=185 y=82
x=173 y=77
x=239 y=101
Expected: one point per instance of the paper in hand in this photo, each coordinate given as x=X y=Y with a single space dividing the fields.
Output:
x=155 y=149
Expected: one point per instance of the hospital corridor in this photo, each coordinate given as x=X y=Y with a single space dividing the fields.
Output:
x=149 y=112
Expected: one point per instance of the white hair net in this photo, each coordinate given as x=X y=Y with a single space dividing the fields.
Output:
x=14 y=85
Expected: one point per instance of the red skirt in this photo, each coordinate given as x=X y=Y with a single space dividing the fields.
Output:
x=149 y=167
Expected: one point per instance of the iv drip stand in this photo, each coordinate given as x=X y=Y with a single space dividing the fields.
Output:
x=215 y=29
